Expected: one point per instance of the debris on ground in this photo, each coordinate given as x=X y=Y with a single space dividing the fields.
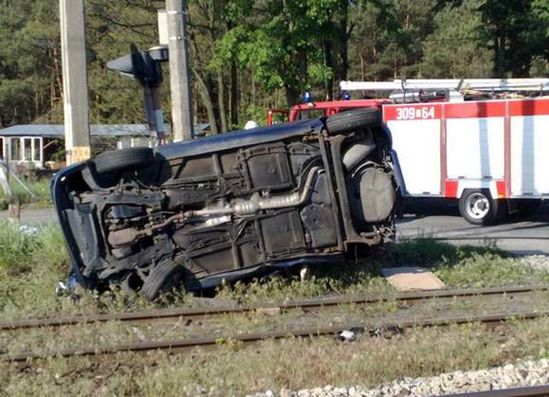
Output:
x=412 y=278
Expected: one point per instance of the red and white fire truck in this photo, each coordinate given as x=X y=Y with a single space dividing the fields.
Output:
x=484 y=142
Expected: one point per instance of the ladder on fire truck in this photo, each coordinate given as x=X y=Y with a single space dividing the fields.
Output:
x=417 y=90
x=541 y=84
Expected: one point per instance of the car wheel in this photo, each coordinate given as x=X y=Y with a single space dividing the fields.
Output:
x=478 y=207
x=165 y=276
x=123 y=159
x=353 y=120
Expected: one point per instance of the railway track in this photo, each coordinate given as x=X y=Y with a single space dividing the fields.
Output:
x=529 y=391
x=185 y=345
x=306 y=305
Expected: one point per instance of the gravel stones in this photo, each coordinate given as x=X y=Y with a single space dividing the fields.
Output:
x=525 y=373
x=538 y=262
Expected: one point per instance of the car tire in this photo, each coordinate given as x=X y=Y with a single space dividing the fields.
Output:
x=477 y=207
x=165 y=276
x=123 y=159
x=353 y=120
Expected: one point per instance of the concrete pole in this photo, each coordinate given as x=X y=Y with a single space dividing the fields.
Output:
x=75 y=81
x=158 y=116
x=180 y=81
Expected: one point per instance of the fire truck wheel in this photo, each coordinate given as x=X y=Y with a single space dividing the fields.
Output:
x=353 y=120
x=478 y=207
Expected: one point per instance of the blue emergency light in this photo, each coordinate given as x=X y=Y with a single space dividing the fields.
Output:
x=346 y=96
x=307 y=97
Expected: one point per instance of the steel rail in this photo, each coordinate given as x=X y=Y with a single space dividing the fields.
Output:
x=527 y=391
x=185 y=345
x=307 y=305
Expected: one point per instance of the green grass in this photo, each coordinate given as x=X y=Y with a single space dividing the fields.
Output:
x=40 y=190
x=293 y=363
x=31 y=266
x=24 y=253
x=464 y=266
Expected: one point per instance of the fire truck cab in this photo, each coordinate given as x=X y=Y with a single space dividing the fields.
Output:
x=484 y=142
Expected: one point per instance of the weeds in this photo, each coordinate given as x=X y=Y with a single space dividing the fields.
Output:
x=465 y=266
x=490 y=269
x=429 y=252
x=457 y=267
x=16 y=248
x=31 y=266
x=40 y=189
x=293 y=363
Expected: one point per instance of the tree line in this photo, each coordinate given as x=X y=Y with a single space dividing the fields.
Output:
x=249 y=55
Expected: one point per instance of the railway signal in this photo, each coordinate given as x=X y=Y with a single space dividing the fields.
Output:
x=146 y=68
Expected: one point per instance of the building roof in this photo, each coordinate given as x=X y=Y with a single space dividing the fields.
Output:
x=98 y=130
x=58 y=130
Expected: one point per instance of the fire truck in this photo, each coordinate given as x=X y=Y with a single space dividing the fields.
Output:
x=483 y=142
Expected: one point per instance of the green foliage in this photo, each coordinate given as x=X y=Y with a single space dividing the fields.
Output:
x=111 y=28
x=539 y=67
x=255 y=54
x=256 y=114
x=282 y=42
x=29 y=71
x=454 y=49
x=517 y=31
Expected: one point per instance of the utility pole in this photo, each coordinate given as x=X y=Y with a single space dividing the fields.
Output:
x=75 y=81
x=180 y=81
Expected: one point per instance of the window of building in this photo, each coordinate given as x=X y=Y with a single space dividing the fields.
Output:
x=15 y=149
x=36 y=149
x=27 y=149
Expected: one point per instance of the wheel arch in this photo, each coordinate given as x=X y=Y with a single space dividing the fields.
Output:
x=489 y=185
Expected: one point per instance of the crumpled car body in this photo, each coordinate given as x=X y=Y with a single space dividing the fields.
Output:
x=229 y=206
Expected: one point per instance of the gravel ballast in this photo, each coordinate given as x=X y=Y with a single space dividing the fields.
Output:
x=538 y=262
x=525 y=373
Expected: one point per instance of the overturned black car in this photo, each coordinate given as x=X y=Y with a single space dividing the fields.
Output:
x=228 y=206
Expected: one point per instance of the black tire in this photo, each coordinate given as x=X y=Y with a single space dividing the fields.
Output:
x=123 y=159
x=353 y=120
x=165 y=276
x=477 y=207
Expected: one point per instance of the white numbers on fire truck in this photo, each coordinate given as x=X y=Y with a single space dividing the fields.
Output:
x=415 y=113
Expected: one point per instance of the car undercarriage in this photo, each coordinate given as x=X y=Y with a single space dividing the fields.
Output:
x=228 y=206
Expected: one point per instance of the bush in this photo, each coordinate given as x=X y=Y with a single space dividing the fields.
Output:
x=16 y=248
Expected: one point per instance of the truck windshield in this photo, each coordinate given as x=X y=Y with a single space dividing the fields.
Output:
x=310 y=114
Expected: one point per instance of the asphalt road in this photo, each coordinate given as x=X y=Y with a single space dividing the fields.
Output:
x=34 y=216
x=441 y=220
x=431 y=218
